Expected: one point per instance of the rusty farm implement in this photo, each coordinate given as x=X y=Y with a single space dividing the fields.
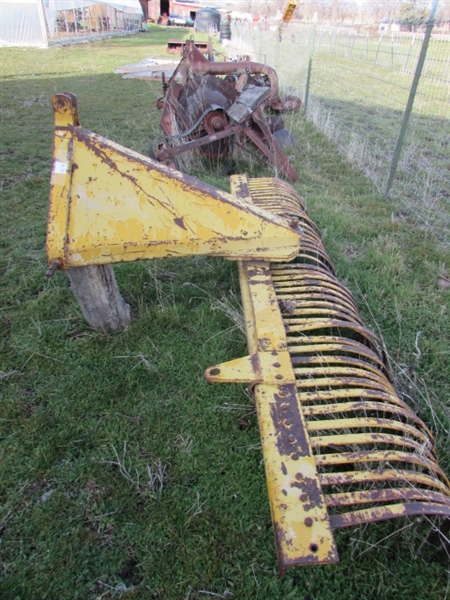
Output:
x=340 y=446
x=216 y=107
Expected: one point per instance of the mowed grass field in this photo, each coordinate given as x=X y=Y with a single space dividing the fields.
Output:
x=123 y=473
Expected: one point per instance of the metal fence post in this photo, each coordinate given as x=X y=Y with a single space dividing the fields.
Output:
x=311 y=51
x=380 y=39
x=278 y=41
x=260 y=43
x=412 y=94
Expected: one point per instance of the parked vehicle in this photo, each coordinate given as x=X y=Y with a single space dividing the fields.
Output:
x=180 y=21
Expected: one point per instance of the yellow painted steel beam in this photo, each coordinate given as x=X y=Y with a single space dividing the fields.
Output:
x=267 y=367
x=302 y=529
x=110 y=204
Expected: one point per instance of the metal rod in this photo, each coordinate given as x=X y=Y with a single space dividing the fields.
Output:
x=311 y=51
x=412 y=95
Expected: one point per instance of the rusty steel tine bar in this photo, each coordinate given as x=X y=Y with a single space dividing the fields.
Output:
x=311 y=245
x=348 y=498
x=311 y=250
x=307 y=314
x=330 y=343
x=334 y=359
x=321 y=324
x=322 y=345
x=314 y=299
x=364 y=439
x=365 y=405
x=312 y=259
x=314 y=287
x=365 y=422
x=314 y=270
x=311 y=367
x=391 y=511
x=325 y=350
x=327 y=383
x=318 y=303
x=323 y=364
x=293 y=266
x=407 y=460
x=325 y=396
x=343 y=370
x=319 y=308
x=299 y=273
x=310 y=241
x=299 y=315
x=294 y=306
x=330 y=375
x=269 y=199
x=311 y=287
x=396 y=475
x=323 y=357
x=383 y=456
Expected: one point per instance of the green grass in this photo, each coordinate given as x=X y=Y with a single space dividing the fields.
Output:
x=123 y=473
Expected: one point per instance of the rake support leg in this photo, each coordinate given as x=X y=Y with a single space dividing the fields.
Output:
x=98 y=294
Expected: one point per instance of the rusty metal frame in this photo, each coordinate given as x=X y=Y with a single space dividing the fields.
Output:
x=168 y=153
x=254 y=129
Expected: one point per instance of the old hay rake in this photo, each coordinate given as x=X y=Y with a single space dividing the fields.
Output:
x=340 y=447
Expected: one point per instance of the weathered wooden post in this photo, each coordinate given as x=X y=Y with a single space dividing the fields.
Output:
x=97 y=292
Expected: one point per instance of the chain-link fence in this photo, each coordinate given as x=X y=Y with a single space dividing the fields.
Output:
x=356 y=86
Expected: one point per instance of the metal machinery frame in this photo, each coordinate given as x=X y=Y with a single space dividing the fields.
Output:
x=212 y=106
x=340 y=446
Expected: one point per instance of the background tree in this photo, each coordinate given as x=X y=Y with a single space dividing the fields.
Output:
x=413 y=14
x=443 y=13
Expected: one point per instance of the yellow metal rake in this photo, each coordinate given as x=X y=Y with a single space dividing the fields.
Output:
x=340 y=446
